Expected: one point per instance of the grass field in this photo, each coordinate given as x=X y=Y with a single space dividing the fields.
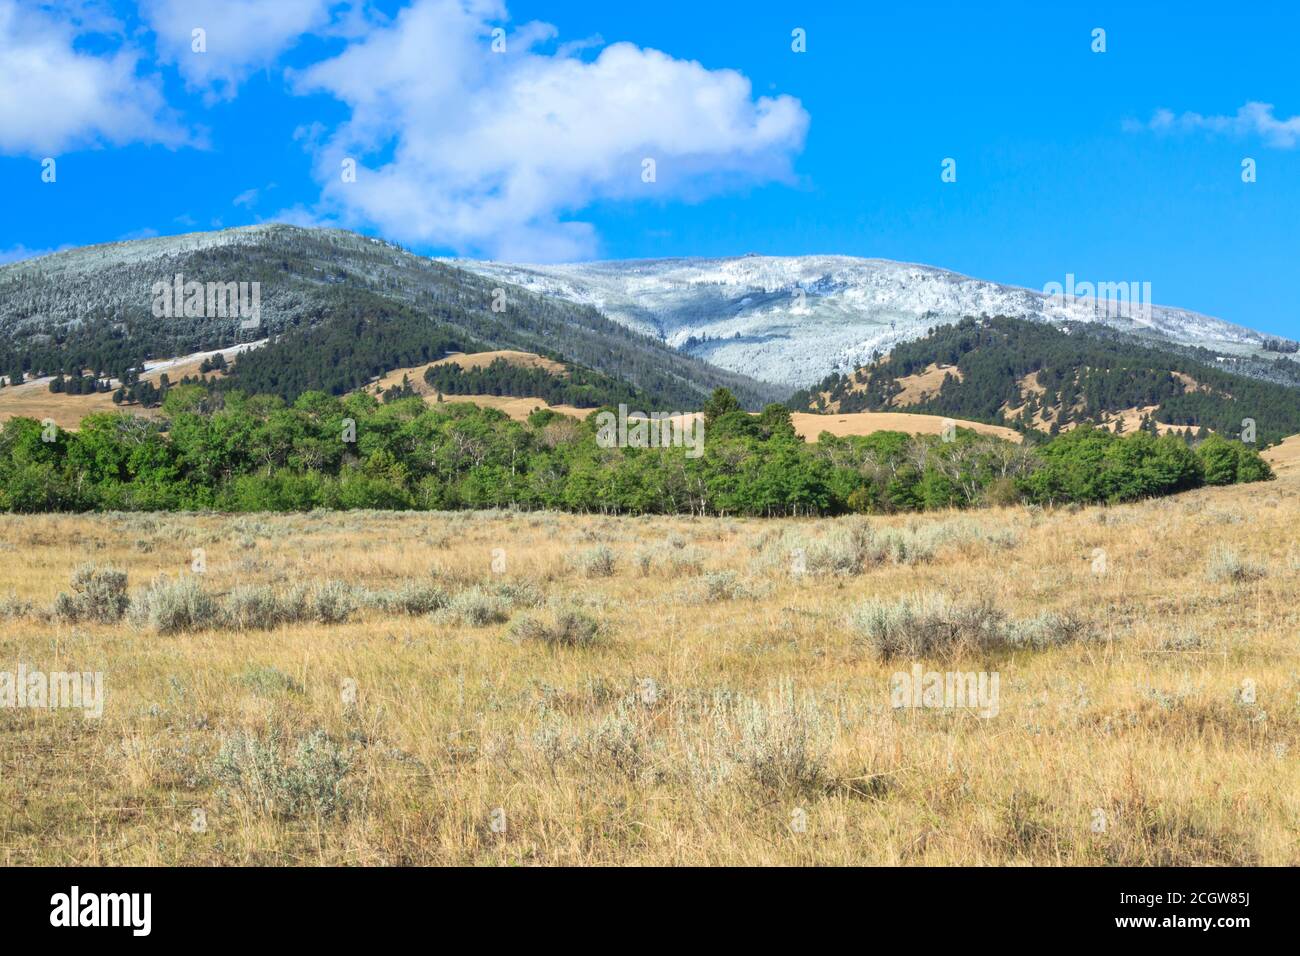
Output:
x=500 y=688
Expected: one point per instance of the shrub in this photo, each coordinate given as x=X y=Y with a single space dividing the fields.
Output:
x=783 y=743
x=477 y=607
x=268 y=681
x=261 y=773
x=173 y=606
x=566 y=627
x=520 y=594
x=331 y=602
x=410 y=598
x=932 y=624
x=254 y=608
x=99 y=594
x=598 y=562
x=1048 y=629
x=927 y=624
x=720 y=586
x=1226 y=565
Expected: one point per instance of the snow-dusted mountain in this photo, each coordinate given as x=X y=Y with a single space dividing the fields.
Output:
x=793 y=320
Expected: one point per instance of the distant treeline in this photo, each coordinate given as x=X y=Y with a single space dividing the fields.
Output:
x=229 y=452
x=581 y=387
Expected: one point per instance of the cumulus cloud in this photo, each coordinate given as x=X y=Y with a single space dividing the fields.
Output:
x=1253 y=119
x=241 y=36
x=54 y=97
x=493 y=153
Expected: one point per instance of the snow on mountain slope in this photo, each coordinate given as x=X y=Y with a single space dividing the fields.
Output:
x=793 y=320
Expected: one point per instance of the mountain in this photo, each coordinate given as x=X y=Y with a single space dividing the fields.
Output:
x=340 y=309
x=1038 y=377
x=793 y=320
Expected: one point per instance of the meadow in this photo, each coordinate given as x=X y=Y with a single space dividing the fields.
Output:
x=514 y=688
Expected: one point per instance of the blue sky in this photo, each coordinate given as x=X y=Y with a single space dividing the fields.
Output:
x=1115 y=166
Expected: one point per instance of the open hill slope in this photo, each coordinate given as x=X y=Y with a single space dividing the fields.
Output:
x=1034 y=376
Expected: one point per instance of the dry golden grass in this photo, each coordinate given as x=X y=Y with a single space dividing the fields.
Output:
x=718 y=718
x=35 y=400
x=864 y=423
x=1284 y=456
x=474 y=360
x=924 y=385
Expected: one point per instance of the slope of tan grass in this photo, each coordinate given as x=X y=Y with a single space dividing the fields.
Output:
x=923 y=385
x=1284 y=456
x=728 y=710
x=517 y=408
x=35 y=400
x=864 y=423
x=415 y=374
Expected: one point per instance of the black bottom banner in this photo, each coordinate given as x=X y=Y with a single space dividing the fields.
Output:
x=337 y=905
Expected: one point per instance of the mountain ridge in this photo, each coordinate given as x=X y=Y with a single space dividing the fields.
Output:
x=91 y=308
x=795 y=319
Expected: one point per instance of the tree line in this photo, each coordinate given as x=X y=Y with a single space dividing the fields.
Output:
x=232 y=452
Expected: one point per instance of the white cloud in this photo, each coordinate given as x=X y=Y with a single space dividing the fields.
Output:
x=241 y=36
x=492 y=153
x=54 y=97
x=1255 y=119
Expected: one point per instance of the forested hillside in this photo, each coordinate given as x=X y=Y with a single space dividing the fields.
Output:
x=1036 y=377
x=92 y=310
